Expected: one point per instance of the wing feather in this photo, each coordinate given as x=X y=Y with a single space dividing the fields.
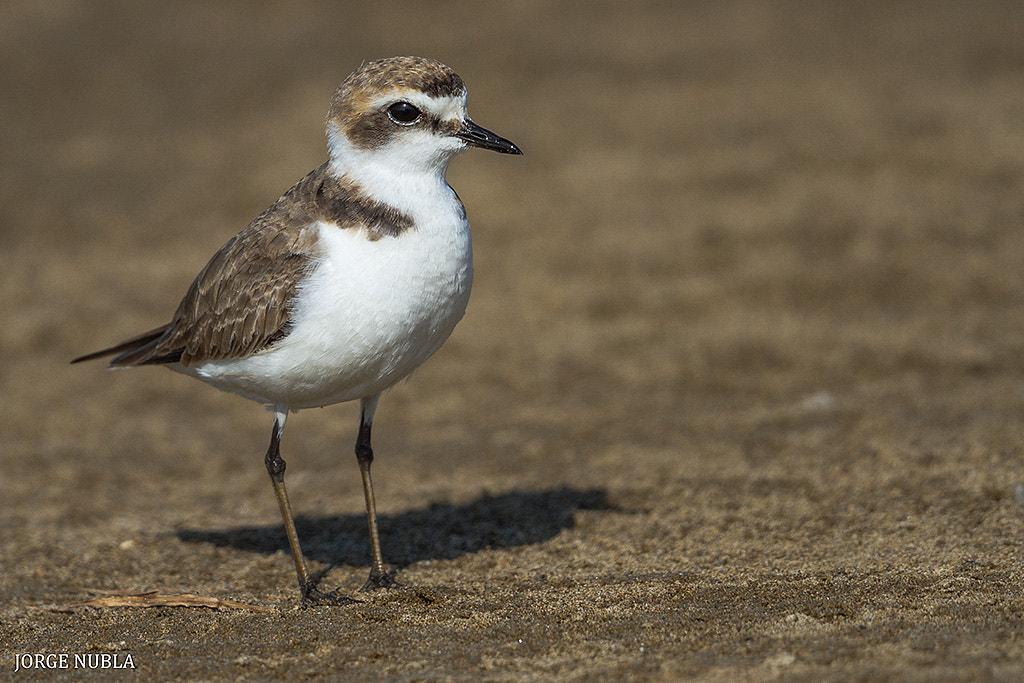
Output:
x=241 y=302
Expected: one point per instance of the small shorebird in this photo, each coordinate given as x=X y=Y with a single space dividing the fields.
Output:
x=348 y=282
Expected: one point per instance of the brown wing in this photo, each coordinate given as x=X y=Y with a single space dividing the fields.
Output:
x=240 y=303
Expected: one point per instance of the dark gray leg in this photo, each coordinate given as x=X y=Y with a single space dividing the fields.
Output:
x=379 y=576
x=275 y=468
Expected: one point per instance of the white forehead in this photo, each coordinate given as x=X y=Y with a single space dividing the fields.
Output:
x=447 y=107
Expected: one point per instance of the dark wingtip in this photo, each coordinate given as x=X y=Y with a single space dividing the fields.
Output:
x=125 y=348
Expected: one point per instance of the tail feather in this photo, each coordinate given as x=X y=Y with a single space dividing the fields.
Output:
x=133 y=351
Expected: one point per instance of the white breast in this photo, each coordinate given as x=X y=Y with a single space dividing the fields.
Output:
x=370 y=313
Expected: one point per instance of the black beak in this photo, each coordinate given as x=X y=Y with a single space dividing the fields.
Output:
x=485 y=139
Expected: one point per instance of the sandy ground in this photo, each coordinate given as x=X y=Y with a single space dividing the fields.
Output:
x=739 y=395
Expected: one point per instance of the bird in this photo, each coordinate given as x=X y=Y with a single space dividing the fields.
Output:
x=347 y=283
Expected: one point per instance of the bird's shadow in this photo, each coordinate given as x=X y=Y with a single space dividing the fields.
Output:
x=440 y=531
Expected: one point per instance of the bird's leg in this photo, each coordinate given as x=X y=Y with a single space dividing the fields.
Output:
x=379 y=576
x=275 y=468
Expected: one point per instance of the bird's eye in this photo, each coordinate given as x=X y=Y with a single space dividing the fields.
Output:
x=403 y=113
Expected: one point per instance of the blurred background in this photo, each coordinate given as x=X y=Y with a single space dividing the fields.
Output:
x=757 y=279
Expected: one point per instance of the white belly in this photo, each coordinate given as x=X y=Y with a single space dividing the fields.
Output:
x=369 y=314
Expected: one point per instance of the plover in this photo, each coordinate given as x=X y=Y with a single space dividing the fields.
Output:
x=348 y=282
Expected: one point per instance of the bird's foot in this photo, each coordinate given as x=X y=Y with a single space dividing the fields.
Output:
x=311 y=595
x=380 y=578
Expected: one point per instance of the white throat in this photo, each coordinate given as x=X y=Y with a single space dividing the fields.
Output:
x=397 y=173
